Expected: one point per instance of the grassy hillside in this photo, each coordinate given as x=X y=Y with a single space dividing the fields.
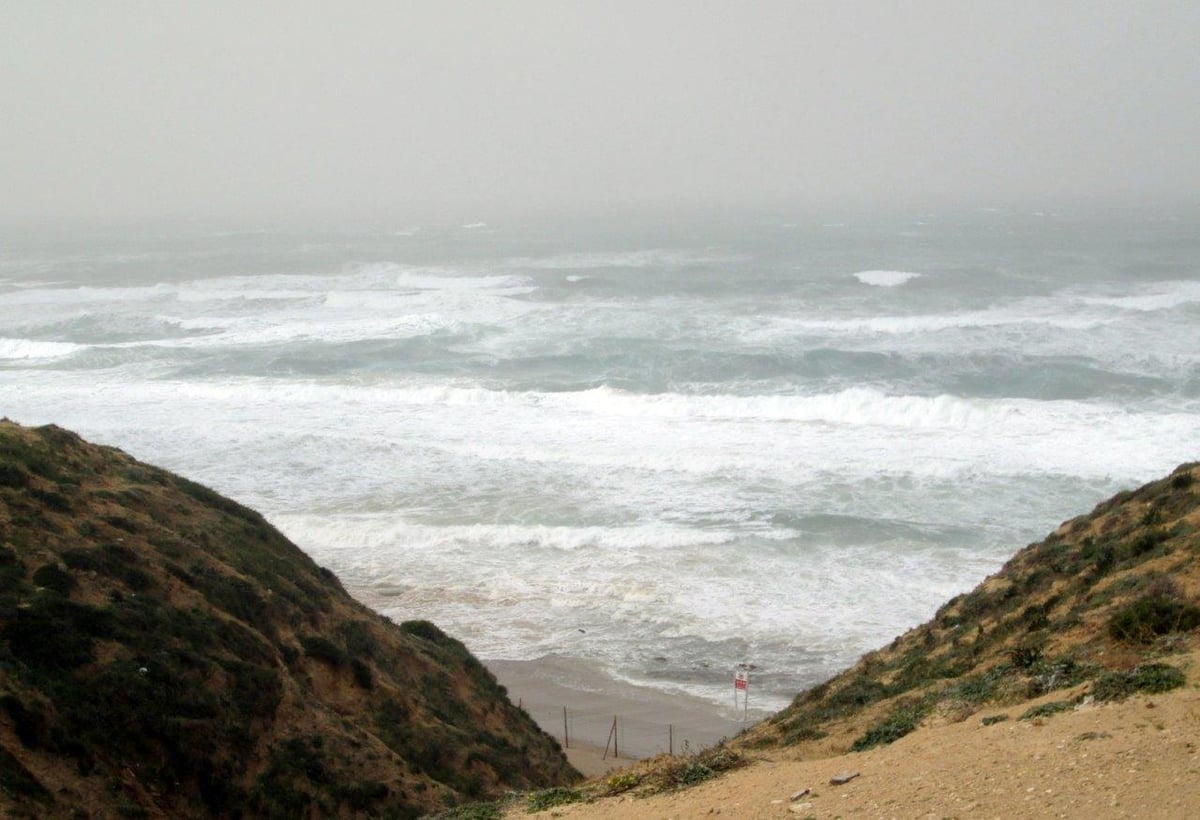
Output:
x=1090 y=612
x=165 y=652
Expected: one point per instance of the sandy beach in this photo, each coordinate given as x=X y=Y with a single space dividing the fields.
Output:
x=648 y=721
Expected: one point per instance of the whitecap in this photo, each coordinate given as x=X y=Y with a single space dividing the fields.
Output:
x=885 y=278
x=17 y=349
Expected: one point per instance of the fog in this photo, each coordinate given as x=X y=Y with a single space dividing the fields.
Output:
x=251 y=112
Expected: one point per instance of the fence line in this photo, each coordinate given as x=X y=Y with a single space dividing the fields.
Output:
x=633 y=733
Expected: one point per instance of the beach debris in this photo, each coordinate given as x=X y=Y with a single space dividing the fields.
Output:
x=844 y=777
x=797 y=795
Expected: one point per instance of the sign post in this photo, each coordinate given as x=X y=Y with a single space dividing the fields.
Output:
x=741 y=681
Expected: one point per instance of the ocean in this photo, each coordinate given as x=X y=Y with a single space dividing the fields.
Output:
x=664 y=448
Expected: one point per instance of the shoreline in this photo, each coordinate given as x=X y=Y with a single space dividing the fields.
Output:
x=578 y=704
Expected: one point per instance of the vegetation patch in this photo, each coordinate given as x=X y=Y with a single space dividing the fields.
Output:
x=1151 y=616
x=493 y=810
x=622 y=782
x=1047 y=709
x=904 y=718
x=682 y=771
x=1150 y=678
x=549 y=798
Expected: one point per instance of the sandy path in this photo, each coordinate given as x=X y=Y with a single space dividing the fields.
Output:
x=1136 y=759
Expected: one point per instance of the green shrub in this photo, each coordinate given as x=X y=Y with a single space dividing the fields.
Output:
x=316 y=646
x=359 y=641
x=992 y=720
x=1150 y=677
x=115 y=561
x=979 y=688
x=904 y=718
x=1047 y=709
x=1145 y=542
x=362 y=674
x=1025 y=655
x=802 y=732
x=861 y=691
x=13 y=476
x=693 y=772
x=1151 y=616
x=425 y=630
x=474 y=811
x=233 y=595
x=1048 y=675
x=51 y=577
x=549 y=798
x=51 y=500
x=622 y=782
x=54 y=634
x=360 y=796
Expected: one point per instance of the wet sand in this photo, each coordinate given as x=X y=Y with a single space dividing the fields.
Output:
x=648 y=721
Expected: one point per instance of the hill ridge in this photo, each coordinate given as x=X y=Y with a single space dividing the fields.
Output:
x=165 y=652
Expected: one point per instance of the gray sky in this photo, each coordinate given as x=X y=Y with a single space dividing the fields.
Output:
x=248 y=111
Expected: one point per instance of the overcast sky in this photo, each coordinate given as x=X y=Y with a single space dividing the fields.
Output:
x=249 y=111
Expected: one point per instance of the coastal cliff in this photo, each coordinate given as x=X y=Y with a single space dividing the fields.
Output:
x=166 y=652
x=1090 y=611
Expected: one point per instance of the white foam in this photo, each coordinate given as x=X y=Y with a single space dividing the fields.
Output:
x=855 y=406
x=1160 y=296
x=374 y=531
x=885 y=278
x=17 y=349
x=776 y=327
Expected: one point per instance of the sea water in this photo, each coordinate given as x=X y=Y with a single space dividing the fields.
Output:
x=665 y=449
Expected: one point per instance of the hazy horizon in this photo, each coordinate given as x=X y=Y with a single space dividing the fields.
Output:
x=123 y=112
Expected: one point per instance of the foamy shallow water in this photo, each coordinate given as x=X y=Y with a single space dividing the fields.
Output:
x=667 y=459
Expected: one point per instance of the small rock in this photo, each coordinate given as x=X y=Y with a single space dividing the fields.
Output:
x=844 y=777
x=797 y=795
x=800 y=808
